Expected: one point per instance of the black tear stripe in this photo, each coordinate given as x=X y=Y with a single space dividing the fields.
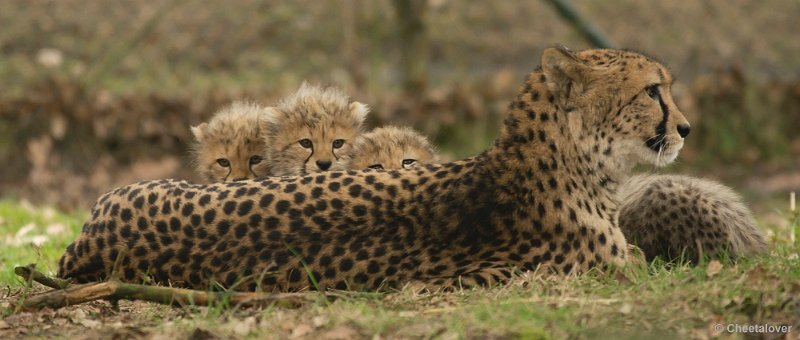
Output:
x=303 y=170
x=656 y=142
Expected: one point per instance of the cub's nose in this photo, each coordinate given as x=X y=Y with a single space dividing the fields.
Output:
x=323 y=165
x=684 y=129
x=239 y=179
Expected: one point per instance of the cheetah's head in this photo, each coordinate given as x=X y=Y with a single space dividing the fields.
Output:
x=391 y=147
x=626 y=101
x=230 y=147
x=312 y=131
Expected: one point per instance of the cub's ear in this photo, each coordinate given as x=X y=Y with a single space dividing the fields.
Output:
x=268 y=117
x=199 y=131
x=269 y=120
x=562 y=66
x=359 y=111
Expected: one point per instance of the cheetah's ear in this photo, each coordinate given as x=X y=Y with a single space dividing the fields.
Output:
x=562 y=66
x=269 y=121
x=359 y=111
x=268 y=117
x=199 y=131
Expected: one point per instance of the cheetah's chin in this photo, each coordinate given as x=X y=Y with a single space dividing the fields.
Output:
x=666 y=158
x=667 y=155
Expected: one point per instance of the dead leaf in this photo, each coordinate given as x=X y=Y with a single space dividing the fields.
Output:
x=48 y=213
x=626 y=308
x=89 y=323
x=622 y=278
x=714 y=268
x=58 y=127
x=245 y=326
x=319 y=321
x=301 y=331
x=19 y=319
x=756 y=275
x=50 y=57
x=56 y=229
x=38 y=240
x=77 y=315
x=202 y=334
x=341 y=332
x=4 y=325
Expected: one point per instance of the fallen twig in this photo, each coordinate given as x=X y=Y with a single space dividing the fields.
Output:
x=71 y=294
x=29 y=273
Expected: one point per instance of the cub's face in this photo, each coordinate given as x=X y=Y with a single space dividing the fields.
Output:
x=313 y=146
x=231 y=147
x=645 y=125
x=312 y=131
x=391 y=148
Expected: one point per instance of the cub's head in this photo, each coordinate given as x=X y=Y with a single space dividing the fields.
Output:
x=231 y=147
x=391 y=148
x=618 y=97
x=312 y=131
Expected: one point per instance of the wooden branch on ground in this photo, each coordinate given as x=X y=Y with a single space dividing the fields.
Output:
x=114 y=290
x=29 y=273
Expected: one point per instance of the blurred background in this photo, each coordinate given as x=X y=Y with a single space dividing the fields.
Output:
x=95 y=94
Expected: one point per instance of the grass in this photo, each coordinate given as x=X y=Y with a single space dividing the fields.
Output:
x=33 y=235
x=656 y=300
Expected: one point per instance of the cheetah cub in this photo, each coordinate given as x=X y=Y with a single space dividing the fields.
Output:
x=230 y=147
x=312 y=131
x=674 y=216
x=391 y=147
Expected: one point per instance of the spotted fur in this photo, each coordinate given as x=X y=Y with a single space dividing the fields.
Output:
x=542 y=194
x=231 y=147
x=674 y=217
x=312 y=131
x=391 y=147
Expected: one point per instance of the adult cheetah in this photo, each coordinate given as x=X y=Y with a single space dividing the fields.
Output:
x=391 y=147
x=542 y=194
x=231 y=147
x=678 y=217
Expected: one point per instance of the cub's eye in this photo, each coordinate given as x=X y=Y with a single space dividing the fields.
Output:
x=338 y=143
x=223 y=162
x=306 y=143
x=255 y=159
x=376 y=166
x=408 y=162
x=652 y=91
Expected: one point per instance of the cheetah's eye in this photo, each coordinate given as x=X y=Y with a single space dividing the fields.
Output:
x=408 y=162
x=306 y=143
x=652 y=91
x=223 y=162
x=376 y=166
x=255 y=159
x=338 y=143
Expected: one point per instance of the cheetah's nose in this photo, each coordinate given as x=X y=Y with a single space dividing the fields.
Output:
x=683 y=130
x=323 y=165
x=239 y=179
